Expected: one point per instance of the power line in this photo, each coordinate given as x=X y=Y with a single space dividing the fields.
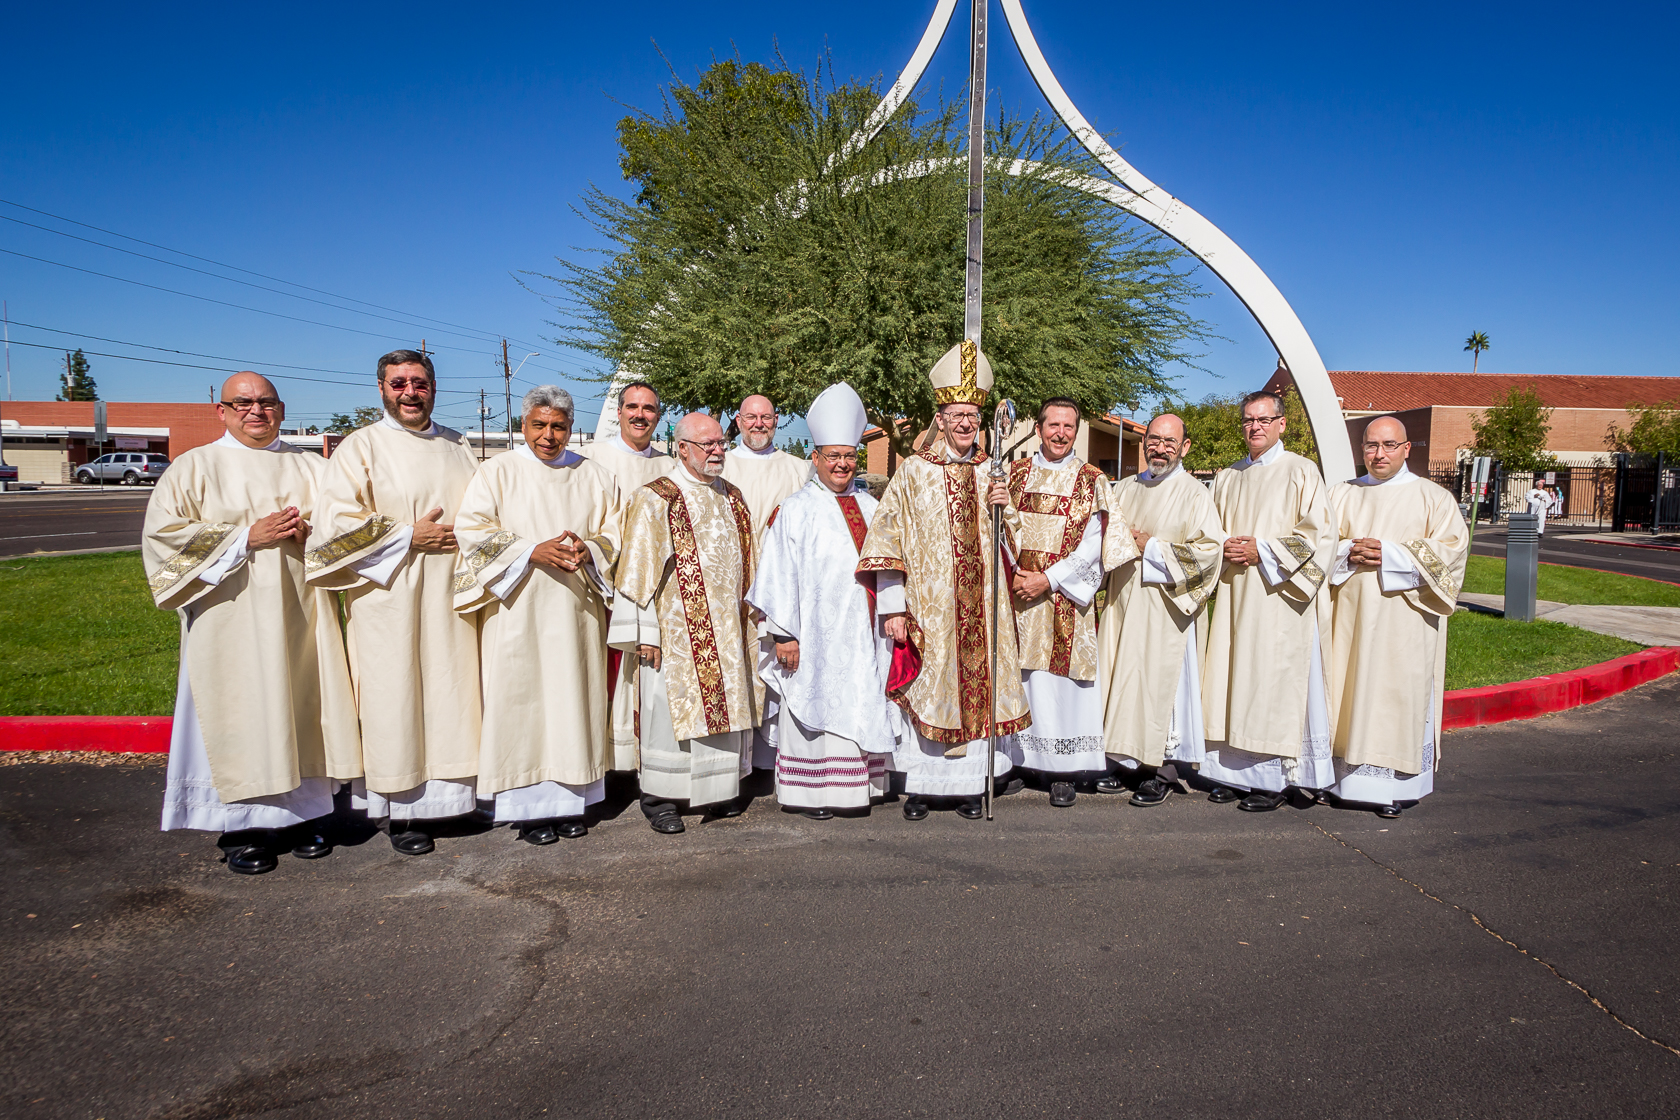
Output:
x=236 y=268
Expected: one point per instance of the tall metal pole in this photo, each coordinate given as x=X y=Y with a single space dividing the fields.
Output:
x=507 y=393
x=481 y=411
x=976 y=170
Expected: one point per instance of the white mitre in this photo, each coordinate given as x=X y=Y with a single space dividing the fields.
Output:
x=836 y=418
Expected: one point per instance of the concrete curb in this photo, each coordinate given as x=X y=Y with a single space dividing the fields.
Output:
x=1537 y=696
x=1464 y=707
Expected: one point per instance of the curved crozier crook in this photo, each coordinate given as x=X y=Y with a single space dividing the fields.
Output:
x=1149 y=203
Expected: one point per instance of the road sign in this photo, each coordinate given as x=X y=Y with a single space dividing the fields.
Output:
x=99 y=421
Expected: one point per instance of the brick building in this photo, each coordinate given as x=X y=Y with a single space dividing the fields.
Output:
x=1437 y=408
x=47 y=440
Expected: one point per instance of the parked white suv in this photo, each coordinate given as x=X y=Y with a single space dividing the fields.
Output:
x=127 y=467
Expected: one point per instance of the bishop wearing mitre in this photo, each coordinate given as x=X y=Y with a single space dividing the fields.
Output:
x=1401 y=560
x=1070 y=536
x=1265 y=692
x=264 y=717
x=538 y=535
x=680 y=610
x=822 y=650
x=630 y=457
x=929 y=555
x=1150 y=654
x=386 y=531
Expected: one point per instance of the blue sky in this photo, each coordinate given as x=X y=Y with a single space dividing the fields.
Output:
x=1405 y=173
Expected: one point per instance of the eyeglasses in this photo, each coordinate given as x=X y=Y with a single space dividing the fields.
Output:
x=1389 y=445
x=962 y=419
x=416 y=385
x=246 y=404
x=1160 y=441
x=709 y=446
x=847 y=457
x=1252 y=421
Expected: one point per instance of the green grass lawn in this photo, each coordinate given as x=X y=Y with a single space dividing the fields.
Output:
x=79 y=636
x=1484 y=649
x=1486 y=576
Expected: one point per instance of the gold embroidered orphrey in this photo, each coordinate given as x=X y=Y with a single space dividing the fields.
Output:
x=1432 y=564
x=192 y=554
x=348 y=544
x=482 y=557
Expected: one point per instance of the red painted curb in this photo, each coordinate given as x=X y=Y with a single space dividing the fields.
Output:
x=119 y=734
x=1499 y=703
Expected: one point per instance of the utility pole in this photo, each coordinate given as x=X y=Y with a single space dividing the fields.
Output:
x=481 y=415
x=507 y=393
x=6 y=312
x=423 y=348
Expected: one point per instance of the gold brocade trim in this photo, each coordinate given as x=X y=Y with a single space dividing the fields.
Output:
x=697 y=608
x=966 y=391
x=348 y=544
x=968 y=571
x=1432 y=565
x=1314 y=574
x=880 y=564
x=1076 y=508
x=1195 y=583
x=1298 y=547
x=482 y=557
x=195 y=552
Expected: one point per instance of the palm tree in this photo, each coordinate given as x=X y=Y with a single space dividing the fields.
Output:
x=1476 y=343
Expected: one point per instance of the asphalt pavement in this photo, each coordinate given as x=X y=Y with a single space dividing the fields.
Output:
x=1504 y=949
x=1559 y=546
x=72 y=520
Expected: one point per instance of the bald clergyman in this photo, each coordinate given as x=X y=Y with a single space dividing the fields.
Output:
x=1400 y=564
x=1151 y=657
x=688 y=562
x=264 y=716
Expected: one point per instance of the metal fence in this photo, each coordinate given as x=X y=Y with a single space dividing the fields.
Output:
x=1625 y=497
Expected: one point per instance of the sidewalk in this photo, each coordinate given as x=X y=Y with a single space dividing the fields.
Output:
x=1649 y=626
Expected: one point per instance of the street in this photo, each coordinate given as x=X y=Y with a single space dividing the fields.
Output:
x=64 y=521
x=1504 y=949
x=1562 y=547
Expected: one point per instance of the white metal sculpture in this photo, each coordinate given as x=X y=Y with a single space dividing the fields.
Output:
x=1143 y=199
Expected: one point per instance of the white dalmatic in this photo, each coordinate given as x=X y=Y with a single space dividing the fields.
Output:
x=836 y=727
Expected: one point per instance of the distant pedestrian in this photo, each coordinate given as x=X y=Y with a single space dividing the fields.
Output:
x=1538 y=502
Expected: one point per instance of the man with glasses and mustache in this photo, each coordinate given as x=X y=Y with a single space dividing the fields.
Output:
x=929 y=558
x=1399 y=566
x=1265 y=690
x=687 y=564
x=822 y=652
x=1150 y=655
x=264 y=715
x=387 y=525
x=630 y=457
x=1070 y=535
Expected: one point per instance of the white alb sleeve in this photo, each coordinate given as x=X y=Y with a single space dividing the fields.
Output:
x=889 y=593
x=380 y=565
x=1399 y=572
x=504 y=585
x=1155 y=568
x=1342 y=570
x=1079 y=574
x=1269 y=566
x=234 y=555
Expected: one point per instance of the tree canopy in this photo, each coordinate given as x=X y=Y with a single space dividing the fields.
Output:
x=1514 y=431
x=345 y=423
x=761 y=253
x=1655 y=429
x=75 y=383
x=1216 y=434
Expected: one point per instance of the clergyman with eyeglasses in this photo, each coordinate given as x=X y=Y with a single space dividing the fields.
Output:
x=1399 y=566
x=929 y=555
x=680 y=611
x=1148 y=640
x=821 y=651
x=264 y=716
x=387 y=539
x=1265 y=692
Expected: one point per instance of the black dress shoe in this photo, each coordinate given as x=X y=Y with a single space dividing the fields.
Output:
x=1004 y=788
x=1260 y=801
x=1152 y=792
x=669 y=822
x=1388 y=812
x=915 y=809
x=818 y=814
x=571 y=829
x=310 y=844
x=1224 y=795
x=251 y=859
x=723 y=810
x=540 y=833
x=1110 y=784
x=970 y=810
x=411 y=841
x=1062 y=794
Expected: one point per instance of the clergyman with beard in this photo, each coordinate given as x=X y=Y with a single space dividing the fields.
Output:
x=687 y=563
x=1150 y=658
x=764 y=474
x=386 y=526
